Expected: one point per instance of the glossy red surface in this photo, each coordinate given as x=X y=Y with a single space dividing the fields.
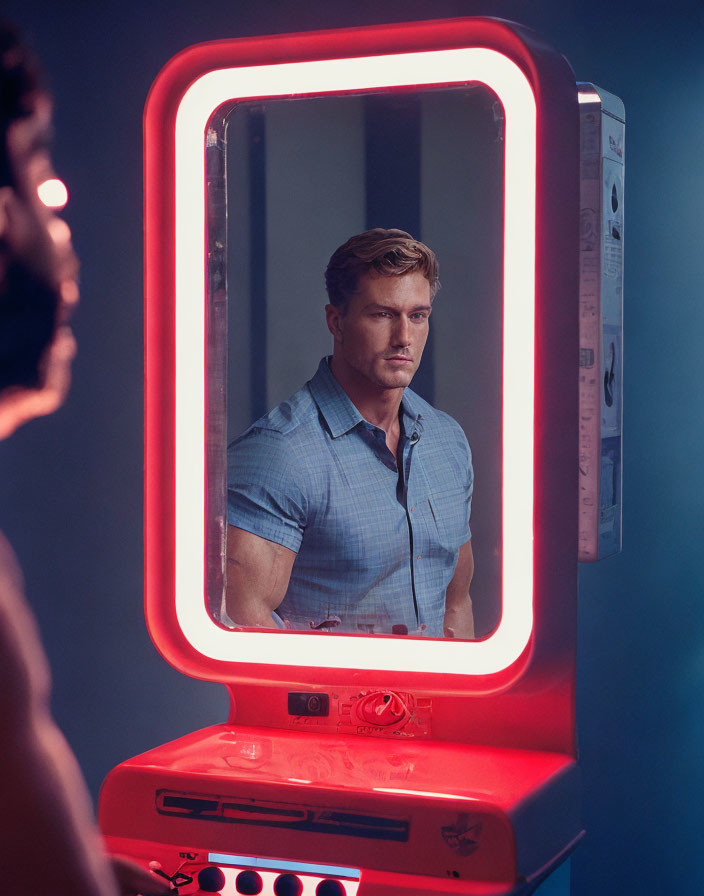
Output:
x=411 y=808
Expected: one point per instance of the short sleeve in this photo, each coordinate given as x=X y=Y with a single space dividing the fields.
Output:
x=266 y=488
x=462 y=463
x=470 y=481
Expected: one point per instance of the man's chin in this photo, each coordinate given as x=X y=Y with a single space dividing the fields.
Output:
x=395 y=379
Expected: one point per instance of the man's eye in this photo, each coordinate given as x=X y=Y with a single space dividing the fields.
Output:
x=419 y=315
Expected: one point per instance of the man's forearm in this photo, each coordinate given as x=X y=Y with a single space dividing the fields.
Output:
x=52 y=830
x=459 y=619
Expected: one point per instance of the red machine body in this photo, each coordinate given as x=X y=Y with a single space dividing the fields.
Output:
x=408 y=780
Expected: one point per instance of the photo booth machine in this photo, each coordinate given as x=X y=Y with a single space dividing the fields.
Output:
x=355 y=764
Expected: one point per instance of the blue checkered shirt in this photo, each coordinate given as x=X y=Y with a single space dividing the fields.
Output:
x=376 y=548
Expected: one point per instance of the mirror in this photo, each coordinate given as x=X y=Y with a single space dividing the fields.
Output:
x=289 y=180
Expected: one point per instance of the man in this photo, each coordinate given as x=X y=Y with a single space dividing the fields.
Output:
x=348 y=504
x=48 y=841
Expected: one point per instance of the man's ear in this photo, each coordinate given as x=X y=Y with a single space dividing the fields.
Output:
x=333 y=318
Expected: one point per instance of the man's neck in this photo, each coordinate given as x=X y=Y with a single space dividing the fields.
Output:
x=377 y=405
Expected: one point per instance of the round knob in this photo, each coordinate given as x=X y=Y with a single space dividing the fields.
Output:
x=211 y=879
x=330 y=887
x=249 y=883
x=288 y=885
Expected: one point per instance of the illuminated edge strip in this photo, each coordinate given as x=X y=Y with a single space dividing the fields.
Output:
x=502 y=76
x=585 y=95
x=272 y=865
x=431 y=793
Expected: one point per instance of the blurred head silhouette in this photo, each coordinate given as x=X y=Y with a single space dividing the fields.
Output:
x=38 y=267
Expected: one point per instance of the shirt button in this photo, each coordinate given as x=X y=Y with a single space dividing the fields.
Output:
x=418 y=557
x=412 y=509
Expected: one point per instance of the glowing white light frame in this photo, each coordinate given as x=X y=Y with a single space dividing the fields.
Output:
x=505 y=78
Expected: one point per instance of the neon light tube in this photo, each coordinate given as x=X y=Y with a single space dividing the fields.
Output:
x=208 y=92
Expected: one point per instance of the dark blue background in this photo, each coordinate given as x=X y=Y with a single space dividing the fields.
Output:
x=71 y=485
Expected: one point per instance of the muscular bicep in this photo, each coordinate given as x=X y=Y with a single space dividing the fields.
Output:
x=258 y=573
x=459 y=619
x=462 y=578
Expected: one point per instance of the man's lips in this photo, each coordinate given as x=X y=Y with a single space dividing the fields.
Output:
x=399 y=359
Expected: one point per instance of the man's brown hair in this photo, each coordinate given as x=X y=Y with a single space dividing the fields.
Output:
x=389 y=253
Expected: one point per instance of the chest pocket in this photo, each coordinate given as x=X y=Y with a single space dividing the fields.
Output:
x=450 y=513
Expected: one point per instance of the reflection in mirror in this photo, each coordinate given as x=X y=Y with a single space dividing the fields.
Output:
x=290 y=180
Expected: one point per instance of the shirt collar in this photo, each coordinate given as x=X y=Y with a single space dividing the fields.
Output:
x=333 y=402
x=410 y=405
x=338 y=409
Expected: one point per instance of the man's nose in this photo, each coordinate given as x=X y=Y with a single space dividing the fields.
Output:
x=402 y=333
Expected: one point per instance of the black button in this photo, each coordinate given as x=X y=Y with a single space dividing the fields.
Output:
x=329 y=888
x=249 y=883
x=288 y=885
x=211 y=879
x=307 y=703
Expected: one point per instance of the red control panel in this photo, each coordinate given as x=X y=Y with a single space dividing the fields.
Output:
x=472 y=819
x=251 y=876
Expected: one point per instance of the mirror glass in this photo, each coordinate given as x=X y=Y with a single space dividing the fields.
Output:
x=289 y=180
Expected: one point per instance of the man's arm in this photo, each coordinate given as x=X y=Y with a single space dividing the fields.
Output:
x=48 y=839
x=459 y=620
x=258 y=573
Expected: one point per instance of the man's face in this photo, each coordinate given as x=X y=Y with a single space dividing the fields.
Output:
x=381 y=335
x=38 y=288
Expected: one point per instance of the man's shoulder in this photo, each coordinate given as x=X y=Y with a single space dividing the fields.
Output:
x=292 y=420
x=432 y=417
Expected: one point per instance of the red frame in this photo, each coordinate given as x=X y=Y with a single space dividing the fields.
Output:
x=531 y=703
